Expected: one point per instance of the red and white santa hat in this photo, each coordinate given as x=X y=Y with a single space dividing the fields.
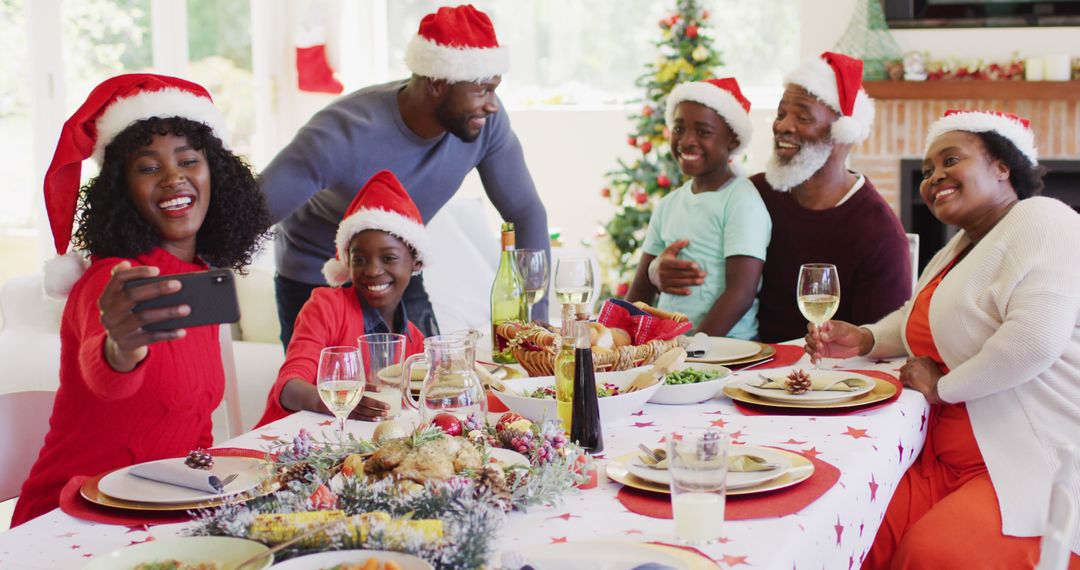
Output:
x=111 y=107
x=382 y=204
x=1013 y=127
x=836 y=79
x=721 y=95
x=457 y=44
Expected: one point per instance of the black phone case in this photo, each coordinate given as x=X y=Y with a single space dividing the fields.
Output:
x=210 y=294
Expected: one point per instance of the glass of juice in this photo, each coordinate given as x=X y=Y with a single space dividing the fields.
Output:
x=698 y=469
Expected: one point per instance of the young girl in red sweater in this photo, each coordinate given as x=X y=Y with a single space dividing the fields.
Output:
x=170 y=198
x=380 y=245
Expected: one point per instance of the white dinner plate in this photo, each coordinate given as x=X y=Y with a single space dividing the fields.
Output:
x=227 y=551
x=508 y=457
x=327 y=559
x=588 y=555
x=124 y=486
x=812 y=396
x=722 y=349
x=735 y=479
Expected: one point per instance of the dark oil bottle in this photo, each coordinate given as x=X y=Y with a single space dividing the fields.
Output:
x=585 y=429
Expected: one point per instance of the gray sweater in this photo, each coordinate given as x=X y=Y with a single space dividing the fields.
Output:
x=310 y=183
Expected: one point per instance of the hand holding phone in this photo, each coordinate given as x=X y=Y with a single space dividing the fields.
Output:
x=127 y=340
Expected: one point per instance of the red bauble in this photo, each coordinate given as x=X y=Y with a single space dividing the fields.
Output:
x=704 y=14
x=632 y=141
x=622 y=289
x=605 y=192
x=663 y=181
x=647 y=111
x=691 y=31
x=646 y=147
x=641 y=197
x=449 y=423
x=507 y=419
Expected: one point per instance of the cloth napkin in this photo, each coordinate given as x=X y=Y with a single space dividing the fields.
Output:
x=641 y=325
x=174 y=473
x=817 y=384
x=737 y=463
x=698 y=346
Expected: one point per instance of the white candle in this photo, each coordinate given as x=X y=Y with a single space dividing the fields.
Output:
x=699 y=517
x=1057 y=68
x=1033 y=69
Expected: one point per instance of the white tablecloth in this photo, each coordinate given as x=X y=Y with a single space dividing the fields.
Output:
x=872 y=450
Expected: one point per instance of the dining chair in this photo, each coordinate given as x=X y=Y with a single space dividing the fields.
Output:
x=233 y=418
x=27 y=415
x=1063 y=515
x=913 y=255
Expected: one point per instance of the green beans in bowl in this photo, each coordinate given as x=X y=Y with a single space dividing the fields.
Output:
x=691 y=384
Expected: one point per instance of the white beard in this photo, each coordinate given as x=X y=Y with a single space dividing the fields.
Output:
x=810 y=158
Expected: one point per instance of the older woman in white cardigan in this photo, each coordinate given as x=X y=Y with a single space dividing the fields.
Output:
x=993 y=338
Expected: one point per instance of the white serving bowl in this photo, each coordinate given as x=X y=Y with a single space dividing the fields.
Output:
x=612 y=408
x=227 y=551
x=692 y=393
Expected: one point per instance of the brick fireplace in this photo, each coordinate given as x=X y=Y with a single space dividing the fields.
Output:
x=892 y=156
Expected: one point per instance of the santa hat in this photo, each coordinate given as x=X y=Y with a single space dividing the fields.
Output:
x=111 y=107
x=720 y=95
x=1013 y=127
x=836 y=79
x=456 y=44
x=382 y=204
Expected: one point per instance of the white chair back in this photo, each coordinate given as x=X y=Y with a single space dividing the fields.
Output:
x=1064 y=514
x=913 y=254
x=24 y=421
x=233 y=417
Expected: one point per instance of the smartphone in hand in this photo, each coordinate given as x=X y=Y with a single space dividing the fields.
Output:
x=210 y=294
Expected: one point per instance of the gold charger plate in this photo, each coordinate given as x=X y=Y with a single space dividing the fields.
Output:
x=883 y=390
x=90 y=492
x=801 y=470
x=765 y=352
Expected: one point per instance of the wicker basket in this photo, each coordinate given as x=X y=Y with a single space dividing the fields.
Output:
x=535 y=348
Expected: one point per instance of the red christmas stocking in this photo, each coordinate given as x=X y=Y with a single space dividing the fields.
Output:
x=314 y=72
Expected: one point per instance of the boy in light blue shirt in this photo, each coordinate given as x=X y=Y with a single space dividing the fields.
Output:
x=717 y=213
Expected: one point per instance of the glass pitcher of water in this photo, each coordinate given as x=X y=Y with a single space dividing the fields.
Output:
x=450 y=384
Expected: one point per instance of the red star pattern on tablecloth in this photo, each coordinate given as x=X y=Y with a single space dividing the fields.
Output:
x=850 y=562
x=147 y=539
x=557 y=539
x=326 y=423
x=718 y=423
x=793 y=441
x=922 y=421
x=87 y=555
x=855 y=433
x=839 y=530
x=873 y=488
x=736 y=434
x=861 y=526
x=811 y=453
x=75 y=547
x=136 y=528
x=644 y=424
x=638 y=413
x=564 y=516
x=730 y=560
x=678 y=437
x=883 y=361
x=632 y=531
x=266 y=437
x=900 y=448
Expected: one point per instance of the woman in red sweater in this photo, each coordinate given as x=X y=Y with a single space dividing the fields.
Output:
x=380 y=245
x=169 y=198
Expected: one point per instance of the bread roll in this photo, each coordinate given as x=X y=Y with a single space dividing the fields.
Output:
x=621 y=337
x=600 y=336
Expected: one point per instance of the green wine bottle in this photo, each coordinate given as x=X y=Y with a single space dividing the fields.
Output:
x=508 y=302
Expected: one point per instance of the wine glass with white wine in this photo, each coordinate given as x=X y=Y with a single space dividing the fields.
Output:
x=574 y=281
x=533 y=266
x=818 y=293
x=340 y=381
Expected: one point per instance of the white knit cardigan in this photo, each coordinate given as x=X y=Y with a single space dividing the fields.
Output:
x=1006 y=320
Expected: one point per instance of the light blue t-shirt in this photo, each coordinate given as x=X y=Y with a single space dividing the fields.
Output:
x=719 y=224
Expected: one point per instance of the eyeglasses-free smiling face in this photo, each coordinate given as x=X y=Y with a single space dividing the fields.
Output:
x=466 y=106
x=802 y=138
x=169 y=182
x=701 y=143
x=962 y=184
x=381 y=266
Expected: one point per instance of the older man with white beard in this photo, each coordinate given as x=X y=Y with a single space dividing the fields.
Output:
x=821 y=211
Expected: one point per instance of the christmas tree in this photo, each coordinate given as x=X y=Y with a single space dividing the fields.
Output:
x=686 y=54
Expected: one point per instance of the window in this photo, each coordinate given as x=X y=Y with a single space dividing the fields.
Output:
x=219 y=51
x=18 y=210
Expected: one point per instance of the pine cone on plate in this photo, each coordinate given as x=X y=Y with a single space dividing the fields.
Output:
x=491 y=478
x=199 y=459
x=797 y=382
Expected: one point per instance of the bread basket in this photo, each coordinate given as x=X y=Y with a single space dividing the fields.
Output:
x=535 y=348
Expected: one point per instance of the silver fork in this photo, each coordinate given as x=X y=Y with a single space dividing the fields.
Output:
x=228 y=479
x=650 y=454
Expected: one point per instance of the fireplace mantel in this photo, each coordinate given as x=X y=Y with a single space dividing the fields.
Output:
x=975 y=89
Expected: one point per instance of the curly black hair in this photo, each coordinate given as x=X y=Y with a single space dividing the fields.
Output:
x=1026 y=179
x=237 y=218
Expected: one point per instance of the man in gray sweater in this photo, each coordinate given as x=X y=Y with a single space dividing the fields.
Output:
x=431 y=130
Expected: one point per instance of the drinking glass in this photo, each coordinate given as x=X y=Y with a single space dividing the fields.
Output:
x=382 y=355
x=574 y=281
x=818 y=294
x=533 y=266
x=340 y=381
x=698 y=469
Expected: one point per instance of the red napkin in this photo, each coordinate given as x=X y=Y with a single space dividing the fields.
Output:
x=756 y=410
x=778 y=503
x=786 y=355
x=642 y=326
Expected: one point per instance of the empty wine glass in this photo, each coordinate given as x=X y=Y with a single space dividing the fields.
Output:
x=533 y=266
x=818 y=293
x=574 y=281
x=340 y=381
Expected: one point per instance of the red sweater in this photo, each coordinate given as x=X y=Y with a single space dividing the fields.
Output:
x=103 y=419
x=332 y=316
x=862 y=237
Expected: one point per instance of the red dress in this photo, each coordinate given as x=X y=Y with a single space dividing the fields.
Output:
x=944 y=513
x=332 y=316
x=103 y=419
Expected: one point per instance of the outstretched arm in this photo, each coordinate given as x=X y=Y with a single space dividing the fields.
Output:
x=743 y=273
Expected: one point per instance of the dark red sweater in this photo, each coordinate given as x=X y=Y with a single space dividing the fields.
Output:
x=103 y=419
x=862 y=237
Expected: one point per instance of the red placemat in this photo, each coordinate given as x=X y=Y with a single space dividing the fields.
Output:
x=778 y=503
x=756 y=410
x=786 y=355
